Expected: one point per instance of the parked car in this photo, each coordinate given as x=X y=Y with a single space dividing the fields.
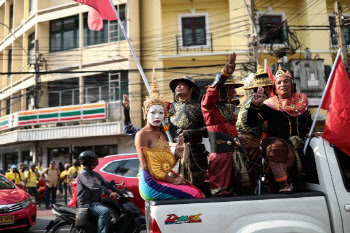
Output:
x=17 y=207
x=121 y=168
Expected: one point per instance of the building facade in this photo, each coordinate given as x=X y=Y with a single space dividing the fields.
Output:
x=62 y=84
x=67 y=96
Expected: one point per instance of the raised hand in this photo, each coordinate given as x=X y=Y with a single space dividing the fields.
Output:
x=258 y=97
x=179 y=149
x=126 y=101
x=230 y=66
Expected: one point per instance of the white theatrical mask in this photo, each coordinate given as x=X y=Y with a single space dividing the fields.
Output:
x=155 y=115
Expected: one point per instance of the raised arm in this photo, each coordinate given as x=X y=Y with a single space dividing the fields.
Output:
x=212 y=94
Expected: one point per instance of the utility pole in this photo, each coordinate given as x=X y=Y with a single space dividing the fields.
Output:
x=254 y=43
x=36 y=88
x=339 y=20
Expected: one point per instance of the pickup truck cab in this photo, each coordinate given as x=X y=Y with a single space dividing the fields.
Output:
x=323 y=205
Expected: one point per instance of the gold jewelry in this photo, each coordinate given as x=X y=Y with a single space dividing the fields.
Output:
x=224 y=73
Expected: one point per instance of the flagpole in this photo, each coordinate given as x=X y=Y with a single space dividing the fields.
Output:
x=136 y=60
x=322 y=99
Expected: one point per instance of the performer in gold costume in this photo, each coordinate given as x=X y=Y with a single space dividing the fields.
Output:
x=156 y=160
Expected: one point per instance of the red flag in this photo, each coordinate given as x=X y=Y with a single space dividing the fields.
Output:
x=267 y=70
x=337 y=102
x=102 y=10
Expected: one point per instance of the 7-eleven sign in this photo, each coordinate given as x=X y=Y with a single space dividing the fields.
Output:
x=13 y=120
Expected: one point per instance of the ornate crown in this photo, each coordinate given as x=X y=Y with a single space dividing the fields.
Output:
x=282 y=71
x=259 y=79
x=154 y=97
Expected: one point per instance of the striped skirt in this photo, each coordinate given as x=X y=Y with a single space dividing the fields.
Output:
x=153 y=189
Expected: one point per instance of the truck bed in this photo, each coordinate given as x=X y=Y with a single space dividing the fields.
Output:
x=269 y=213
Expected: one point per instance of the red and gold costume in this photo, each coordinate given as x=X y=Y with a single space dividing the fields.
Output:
x=220 y=120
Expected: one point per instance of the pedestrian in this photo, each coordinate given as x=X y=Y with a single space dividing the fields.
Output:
x=31 y=177
x=61 y=169
x=65 y=182
x=74 y=170
x=22 y=170
x=52 y=180
x=39 y=167
x=13 y=175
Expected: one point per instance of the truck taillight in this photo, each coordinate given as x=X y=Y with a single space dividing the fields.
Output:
x=153 y=226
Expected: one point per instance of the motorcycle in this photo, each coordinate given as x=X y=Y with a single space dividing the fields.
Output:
x=125 y=217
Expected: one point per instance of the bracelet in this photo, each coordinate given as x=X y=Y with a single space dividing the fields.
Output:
x=224 y=73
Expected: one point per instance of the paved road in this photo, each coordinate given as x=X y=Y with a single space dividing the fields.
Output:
x=43 y=217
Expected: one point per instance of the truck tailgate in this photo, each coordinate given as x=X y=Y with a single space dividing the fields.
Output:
x=300 y=212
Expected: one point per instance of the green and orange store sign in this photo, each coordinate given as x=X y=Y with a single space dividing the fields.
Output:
x=96 y=111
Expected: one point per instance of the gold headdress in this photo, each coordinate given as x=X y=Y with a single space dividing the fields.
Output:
x=154 y=97
x=282 y=71
x=261 y=79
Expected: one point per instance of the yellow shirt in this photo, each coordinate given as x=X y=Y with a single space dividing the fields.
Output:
x=13 y=177
x=63 y=174
x=39 y=169
x=22 y=175
x=72 y=171
x=31 y=179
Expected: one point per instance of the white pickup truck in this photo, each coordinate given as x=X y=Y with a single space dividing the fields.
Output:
x=323 y=206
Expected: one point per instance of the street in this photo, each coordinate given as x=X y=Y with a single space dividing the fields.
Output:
x=44 y=216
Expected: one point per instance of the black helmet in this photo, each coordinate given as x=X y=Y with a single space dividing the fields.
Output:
x=88 y=158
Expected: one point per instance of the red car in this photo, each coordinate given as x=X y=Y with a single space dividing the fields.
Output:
x=17 y=207
x=120 y=168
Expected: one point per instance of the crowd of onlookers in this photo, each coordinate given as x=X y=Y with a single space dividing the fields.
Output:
x=54 y=178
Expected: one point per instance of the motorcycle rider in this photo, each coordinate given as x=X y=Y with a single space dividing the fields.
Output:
x=90 y=184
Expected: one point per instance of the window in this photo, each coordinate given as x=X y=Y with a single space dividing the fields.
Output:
x=26 y=158
x=31 y=48
x=272 y=30
x=64 y=34
x=8 y=106
x=62 y=92
x=111 y=30
x=194 y=31
x=11 y=17
x=101 y=87
x=10 y=159
x=334 y=34
x=126 y=168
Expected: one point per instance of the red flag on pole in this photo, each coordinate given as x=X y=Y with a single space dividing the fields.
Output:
x=99 y=10
x=337 y=102
x=267 y=70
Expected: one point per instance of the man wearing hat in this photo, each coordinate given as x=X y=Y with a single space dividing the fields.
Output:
x=186 y=120
x=251 y=137
x=227 y=172
x=13 y=175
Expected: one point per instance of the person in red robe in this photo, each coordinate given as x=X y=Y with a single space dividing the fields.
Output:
x=227 y=172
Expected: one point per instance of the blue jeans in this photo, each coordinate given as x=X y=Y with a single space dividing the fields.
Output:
x=103 y=214
x=48 y=190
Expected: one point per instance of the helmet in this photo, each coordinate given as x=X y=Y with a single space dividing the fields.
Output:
x=14 y=166
x=88 y=158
